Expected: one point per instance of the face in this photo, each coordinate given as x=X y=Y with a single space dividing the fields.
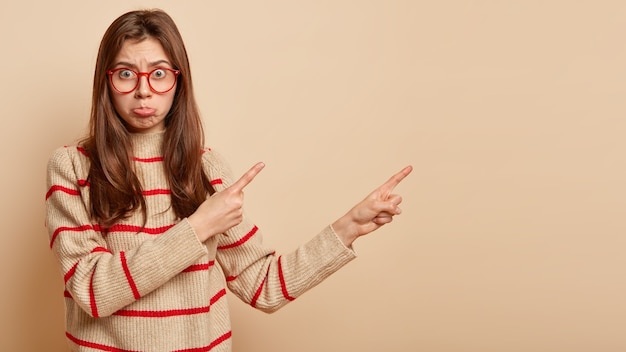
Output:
x=142 y=110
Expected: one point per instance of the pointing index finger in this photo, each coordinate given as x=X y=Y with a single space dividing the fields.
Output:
x=247 y=177
x=394 y=180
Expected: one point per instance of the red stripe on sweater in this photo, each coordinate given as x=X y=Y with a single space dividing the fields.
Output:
x=208 y=348
x=283 y=285
x=257 y=294
x=137 y=229
x=67 y=294
x=170 y=312
x=162 y=313
x=217 y=296
x=82 y=151
x=242 y=240
x=70 y=191
x=92 y=297
x=94 y=345
x=154 y=192
x=70 y=273
x=150 y=192
x=85 y=183
x=65 y=228
x=231 y=278
x=72 y=270
x=199 y=267
x=144 y=160
x=129 y=277
x=114 y=228
x=149 y=160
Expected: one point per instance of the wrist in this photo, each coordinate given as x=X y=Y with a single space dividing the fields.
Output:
x=344 y=231
x=197 y=228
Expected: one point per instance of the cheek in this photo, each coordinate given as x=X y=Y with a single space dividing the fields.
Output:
x=118 y=103
x=168 y=101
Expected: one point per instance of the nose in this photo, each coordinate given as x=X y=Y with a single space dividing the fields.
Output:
x=143 y=87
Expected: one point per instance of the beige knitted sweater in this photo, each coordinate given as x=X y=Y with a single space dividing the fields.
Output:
x=159 y=288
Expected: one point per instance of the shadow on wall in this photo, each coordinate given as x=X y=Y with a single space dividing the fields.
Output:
x=39 y=311
x=35 y=317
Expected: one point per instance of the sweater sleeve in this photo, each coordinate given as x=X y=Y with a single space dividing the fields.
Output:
x=99 y=280
x=261 y=277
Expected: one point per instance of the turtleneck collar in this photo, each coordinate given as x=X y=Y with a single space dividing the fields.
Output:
x=148 y=145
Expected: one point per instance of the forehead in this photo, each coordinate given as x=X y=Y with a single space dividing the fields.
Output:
x=141 y=52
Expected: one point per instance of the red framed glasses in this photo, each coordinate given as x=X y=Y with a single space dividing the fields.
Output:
x=125 y=80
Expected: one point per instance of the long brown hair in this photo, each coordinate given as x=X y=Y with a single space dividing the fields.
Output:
x=115 y=190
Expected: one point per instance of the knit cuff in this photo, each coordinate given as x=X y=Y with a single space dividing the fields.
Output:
x=349 y=248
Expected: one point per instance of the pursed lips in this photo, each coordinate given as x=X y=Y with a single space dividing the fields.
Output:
x=144 y=111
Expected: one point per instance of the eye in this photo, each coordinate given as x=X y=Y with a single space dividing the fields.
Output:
x=159 y=73
x=126 y=74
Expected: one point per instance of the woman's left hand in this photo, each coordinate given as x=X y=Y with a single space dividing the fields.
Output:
x=376 y=210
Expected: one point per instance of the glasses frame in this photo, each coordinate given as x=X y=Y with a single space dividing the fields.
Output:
x=139 y=74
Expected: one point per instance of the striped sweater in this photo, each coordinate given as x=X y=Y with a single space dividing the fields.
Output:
x=159 y=288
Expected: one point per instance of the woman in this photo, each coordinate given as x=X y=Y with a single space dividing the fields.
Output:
x=147 y=224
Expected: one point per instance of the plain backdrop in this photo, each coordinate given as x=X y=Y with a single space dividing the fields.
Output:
x=511 y=112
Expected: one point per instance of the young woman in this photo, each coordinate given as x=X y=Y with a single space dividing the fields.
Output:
x=147 y=224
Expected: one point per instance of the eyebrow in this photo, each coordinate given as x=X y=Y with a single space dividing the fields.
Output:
x=150 y=64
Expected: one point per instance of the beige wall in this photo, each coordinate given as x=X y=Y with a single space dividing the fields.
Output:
x=512 y=113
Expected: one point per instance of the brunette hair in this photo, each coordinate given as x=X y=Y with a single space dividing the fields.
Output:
x=115 y=191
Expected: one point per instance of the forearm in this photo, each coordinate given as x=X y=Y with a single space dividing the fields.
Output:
x=268 y=281
x=102 y=281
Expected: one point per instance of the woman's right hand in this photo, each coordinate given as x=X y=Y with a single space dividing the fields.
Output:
x=223 y=210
